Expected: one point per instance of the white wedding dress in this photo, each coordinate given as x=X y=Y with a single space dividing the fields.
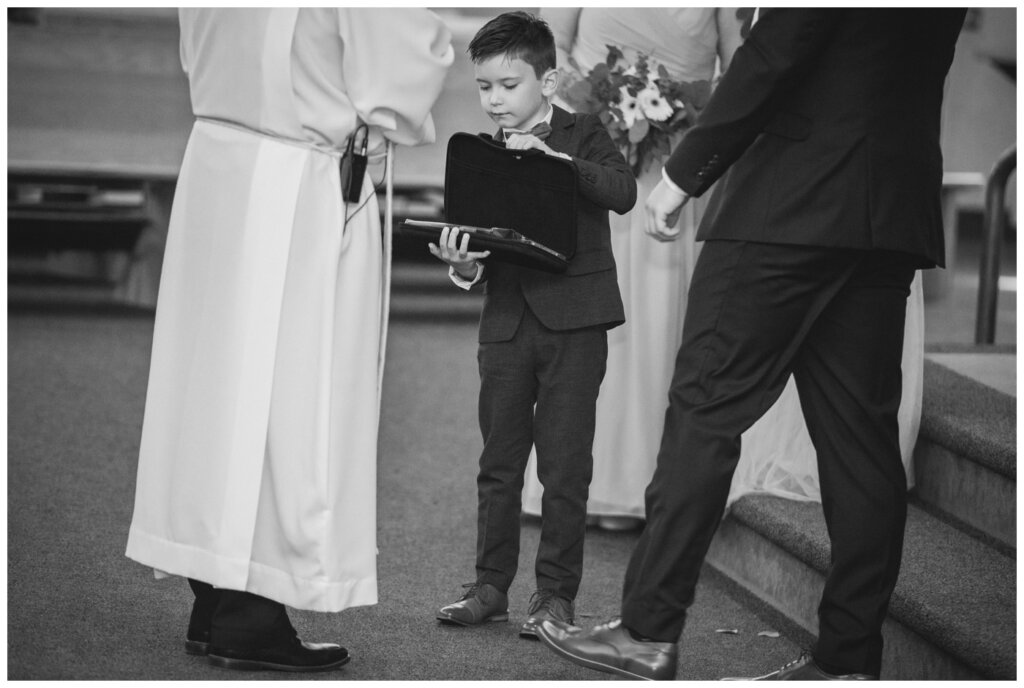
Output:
x=777 y=456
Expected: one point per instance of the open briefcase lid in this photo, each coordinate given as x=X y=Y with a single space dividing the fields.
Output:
x=520 y=205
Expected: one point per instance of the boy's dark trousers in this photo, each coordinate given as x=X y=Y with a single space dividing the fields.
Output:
x=539 y=388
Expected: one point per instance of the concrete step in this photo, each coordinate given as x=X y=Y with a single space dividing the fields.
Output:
x=420 y=275
x=966 y=453
x=423 y=291
x=953 y=613
x=442 y=307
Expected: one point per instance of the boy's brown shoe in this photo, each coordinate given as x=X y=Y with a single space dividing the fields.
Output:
x=546 y=605
x=481 y=603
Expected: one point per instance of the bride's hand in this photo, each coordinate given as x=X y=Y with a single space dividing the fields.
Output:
x=662 y=212
x=568 y=76
x=566 y=66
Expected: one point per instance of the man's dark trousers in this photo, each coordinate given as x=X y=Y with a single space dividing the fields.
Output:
x=834 y=319
x=560 y=372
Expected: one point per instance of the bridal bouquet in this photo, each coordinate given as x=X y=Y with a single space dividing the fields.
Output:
x=640 y=104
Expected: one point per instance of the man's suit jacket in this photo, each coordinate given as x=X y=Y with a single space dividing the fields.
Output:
x=587 y=293
x=831 y=117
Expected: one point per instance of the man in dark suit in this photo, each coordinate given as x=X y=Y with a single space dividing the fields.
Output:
x=543 y=336
x=824 y=136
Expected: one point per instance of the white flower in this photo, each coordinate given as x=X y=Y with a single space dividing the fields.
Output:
x=630 y=107
x=654 y=105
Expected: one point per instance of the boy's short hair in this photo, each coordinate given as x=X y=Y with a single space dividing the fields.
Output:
x=516 y=35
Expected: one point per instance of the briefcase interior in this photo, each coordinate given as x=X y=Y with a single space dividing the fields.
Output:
x=523 y=193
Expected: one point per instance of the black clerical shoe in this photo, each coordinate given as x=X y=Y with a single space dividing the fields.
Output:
x=482 y=603
x=293 y=655
x=804 y=669
x=198 y=644
x=197 y=638
x=546 y=605
x=610 y=648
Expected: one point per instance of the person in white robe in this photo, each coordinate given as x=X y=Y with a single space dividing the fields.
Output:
x=257 y=465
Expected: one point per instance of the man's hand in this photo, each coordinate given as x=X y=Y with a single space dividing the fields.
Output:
x=462 y=260
x=663 y=207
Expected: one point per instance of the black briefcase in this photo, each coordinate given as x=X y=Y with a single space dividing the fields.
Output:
x=519 y=205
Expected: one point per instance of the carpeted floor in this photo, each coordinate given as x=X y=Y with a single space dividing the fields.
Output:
x=78 y=609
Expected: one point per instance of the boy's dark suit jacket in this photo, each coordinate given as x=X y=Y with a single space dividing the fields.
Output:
x=587 y=294
x=835 y=138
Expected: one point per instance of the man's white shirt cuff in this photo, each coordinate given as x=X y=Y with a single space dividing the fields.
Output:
x=672 y=185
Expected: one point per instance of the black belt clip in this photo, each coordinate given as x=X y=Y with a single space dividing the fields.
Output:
x=353 y=166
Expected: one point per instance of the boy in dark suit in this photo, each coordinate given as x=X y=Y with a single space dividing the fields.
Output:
x=543 y=337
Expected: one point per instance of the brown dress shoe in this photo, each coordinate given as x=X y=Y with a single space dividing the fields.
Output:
x=610 y=648
x=480 y=604
x=804 y=669
x=546 y=605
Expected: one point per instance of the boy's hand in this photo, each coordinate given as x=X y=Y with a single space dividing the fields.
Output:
x=528 y=141
x=462 y=260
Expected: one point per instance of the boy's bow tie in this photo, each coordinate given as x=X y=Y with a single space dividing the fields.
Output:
x=541 y=131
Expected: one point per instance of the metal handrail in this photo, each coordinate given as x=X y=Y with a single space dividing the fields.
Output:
x=995 y=226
